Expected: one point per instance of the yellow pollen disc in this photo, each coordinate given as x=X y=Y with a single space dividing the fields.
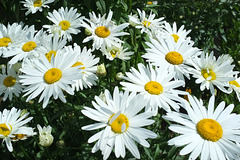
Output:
x=52 y=75
x=102 y=32
x=29 y=46
x=18 y=136
x=209 y=129
x=49 y=55
x=176 y=37
x=174 y=58
x=9 y=81
x=118 y=123
x=4 y=130
x=146 y=23
x=114 y=52
x=207 y=73
x=149 y=3
x=37 y=3
x=78 y=64
x=4 y=41
x=64 y=25
x=235 y=83
x=153 y=87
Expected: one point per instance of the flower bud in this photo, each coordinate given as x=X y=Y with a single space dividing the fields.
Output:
x=87 y=32
x=101 y=70
x=23 y=112
x=60 y=144
x=119 y=76
x=45 y=137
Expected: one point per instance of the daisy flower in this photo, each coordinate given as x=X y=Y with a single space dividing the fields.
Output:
x=235 y=85
x=104 y=32
x=68 y=22
x=49 y=79
x=87 y=64
x=9 y=83
x=211 y=72
x=28 y=48
x=206 y=131
x=12 y=126
x=51 y=44
x=174 y=56
x=122 y=125
x=11 y=36
x=172 y=31
x=157 y=87
x=35 y=5
x=116 y=52
x=150 y=3
x=147 y=24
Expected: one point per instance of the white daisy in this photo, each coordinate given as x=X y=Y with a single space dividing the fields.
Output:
x=174 y=56
x=147 y=24
x=35 y=5
x=69 y=21
x=9 y=83
x=12 y=126
x=172 y=31
x=235 y=85
x=11 y=36
x=116 y=52
x=51 y=44
x=28 y=48
x=157 y=87
x=150 y=3
x=87 y=64
x=49 y=79
x=211 y=72
x=122 y=126
x=205 y=131
x=105 y=32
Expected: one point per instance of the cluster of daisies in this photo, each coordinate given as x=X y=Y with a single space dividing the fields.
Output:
x=42 y=64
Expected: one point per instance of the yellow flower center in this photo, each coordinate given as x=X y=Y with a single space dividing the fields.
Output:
x=64 y=25
x=176 y=37
x=4 y=41
x=114 y=52
x=149 y=3
x=78 y=64
x=153 y=87
x=18 y=136
x=120 y=124
x=174 y=58
x=102 y=32
x=52 y=75
x=209 y=129
x=146 y=23
x=49 y=55
x=29 y=46
x=37 y=3
x=207 y=73
x=9 y=81
x=235 y=83
x=4 y=130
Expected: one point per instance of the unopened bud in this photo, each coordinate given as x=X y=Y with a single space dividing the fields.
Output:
x=88 y=32
x=60 y=144
x=101 y=70
x=45 y=136
x=119 y=76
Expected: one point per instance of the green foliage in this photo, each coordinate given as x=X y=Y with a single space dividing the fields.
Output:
x=215 y=27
